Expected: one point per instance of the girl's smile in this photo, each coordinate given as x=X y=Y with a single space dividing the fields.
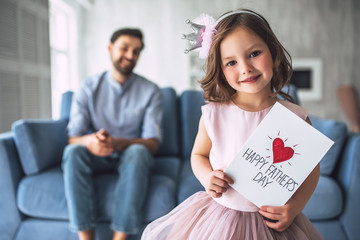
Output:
x=249 y=80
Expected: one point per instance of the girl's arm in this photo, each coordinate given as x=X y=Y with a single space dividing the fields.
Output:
x=284 y=215
x=215 y=182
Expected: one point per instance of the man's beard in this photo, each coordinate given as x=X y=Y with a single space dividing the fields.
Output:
x=126 y=71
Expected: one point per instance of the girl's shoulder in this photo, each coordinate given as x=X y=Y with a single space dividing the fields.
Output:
x=215 y=106
x=298 y=110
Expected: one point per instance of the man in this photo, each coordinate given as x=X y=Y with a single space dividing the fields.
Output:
x=114 y=126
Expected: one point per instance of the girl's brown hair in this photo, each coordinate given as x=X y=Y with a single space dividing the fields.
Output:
x=214 y=84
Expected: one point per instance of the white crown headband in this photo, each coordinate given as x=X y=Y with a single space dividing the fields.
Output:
x=203 y=31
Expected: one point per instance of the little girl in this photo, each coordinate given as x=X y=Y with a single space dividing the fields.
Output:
x=246 y=69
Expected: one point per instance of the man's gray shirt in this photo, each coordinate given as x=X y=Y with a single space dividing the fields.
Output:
x=131 y=110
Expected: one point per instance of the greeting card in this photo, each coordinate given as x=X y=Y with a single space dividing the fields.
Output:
x=277 y=158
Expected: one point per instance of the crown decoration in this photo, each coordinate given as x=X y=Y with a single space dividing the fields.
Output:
x=195 y=38
x=203 y=31
x=200 y=39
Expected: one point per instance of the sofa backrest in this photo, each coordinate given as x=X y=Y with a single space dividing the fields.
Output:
x=65 y=108
x=336 y=131
x=190 y=113
x=40 y=143
x=170 y=124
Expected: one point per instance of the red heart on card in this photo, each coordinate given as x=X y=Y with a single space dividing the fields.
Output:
x=280 y=152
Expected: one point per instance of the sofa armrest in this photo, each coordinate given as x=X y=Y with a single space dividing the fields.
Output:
x=349 y=178
x=10 y=175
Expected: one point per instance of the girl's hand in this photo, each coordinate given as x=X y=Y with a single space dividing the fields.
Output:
x=217 y=183
x=283 y=216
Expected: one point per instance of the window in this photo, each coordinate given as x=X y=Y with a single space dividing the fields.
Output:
x=63 y=39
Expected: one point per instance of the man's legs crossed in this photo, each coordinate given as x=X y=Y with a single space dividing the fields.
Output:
x=131 y=189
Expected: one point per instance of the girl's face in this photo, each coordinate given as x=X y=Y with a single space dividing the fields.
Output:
x=246 y=62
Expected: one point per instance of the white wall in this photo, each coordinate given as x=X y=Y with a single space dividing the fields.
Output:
x=322 y=29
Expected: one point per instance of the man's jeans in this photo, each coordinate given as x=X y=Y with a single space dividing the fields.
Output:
x=133 y=166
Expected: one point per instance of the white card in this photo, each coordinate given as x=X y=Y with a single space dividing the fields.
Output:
x=277 y=158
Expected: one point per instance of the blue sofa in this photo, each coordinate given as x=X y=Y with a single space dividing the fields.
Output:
x=33 y=204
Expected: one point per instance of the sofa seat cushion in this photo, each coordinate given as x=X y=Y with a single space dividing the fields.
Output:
x=326 y=202
x=43 y=196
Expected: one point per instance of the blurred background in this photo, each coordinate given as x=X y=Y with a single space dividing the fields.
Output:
x=49 y=46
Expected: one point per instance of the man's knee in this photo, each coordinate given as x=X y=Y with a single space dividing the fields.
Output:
x=74 y=149
x=138 y=154
x=138 y=149
x=73 y=154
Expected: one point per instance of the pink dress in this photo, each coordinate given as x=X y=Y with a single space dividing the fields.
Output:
x=232 y=216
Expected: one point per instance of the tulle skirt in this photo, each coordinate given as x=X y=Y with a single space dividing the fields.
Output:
x=201 y=218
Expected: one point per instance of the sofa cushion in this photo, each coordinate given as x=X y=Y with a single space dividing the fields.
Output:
x=327 y=200
x=43 y=229
x=337 y=132
x=190 y=113
x=40 y=143
x=169 y=144
x=42 y=195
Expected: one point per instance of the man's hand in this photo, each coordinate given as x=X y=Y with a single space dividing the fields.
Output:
x=100 y=143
